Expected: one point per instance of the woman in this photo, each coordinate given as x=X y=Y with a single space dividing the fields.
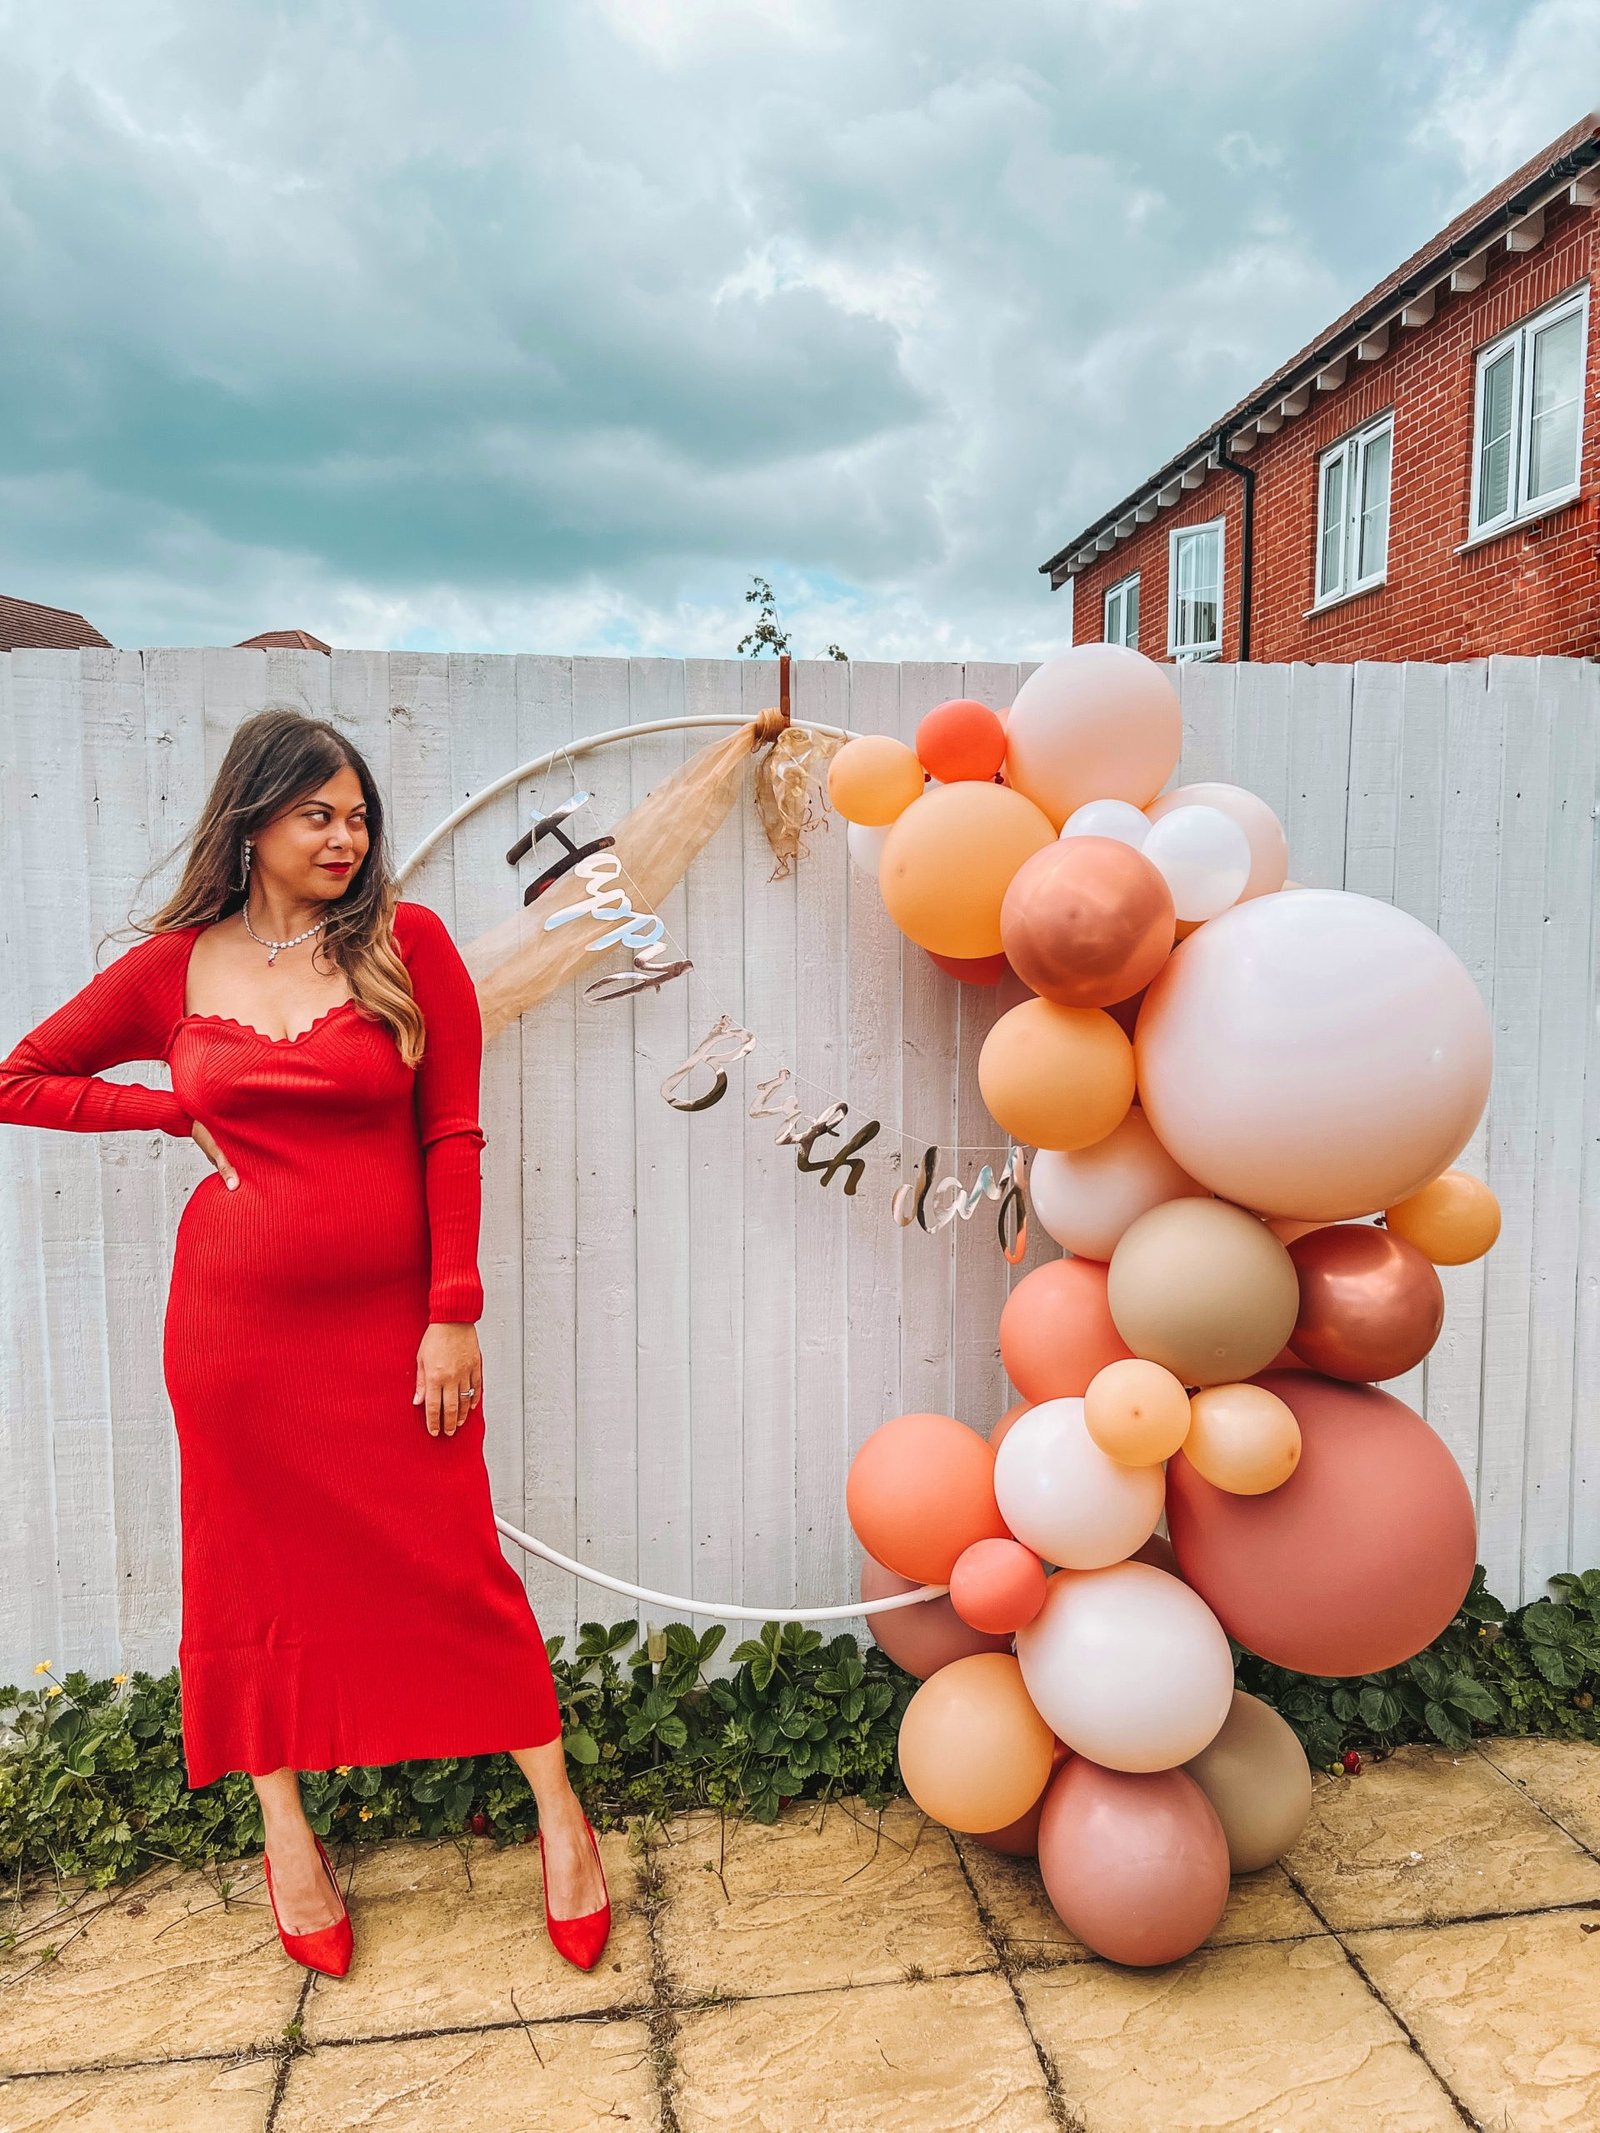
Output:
x=345 y=1599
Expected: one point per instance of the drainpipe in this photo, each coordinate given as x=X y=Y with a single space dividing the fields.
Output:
x=1246 y=540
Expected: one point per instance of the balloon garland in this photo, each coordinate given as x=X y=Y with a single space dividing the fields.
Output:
x=1226 y=1077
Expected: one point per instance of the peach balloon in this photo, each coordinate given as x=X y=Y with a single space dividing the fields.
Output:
x=1099 y=722
x=1242 y=1438
x=1020 y=1839
x=974 y=1753
x=1204 y=1289
x=1269 y=848
x=1127 y=1665
x=997 y=1435
x=1056 y=1332
x=1452 y=1220
x=1086 y=1197
x=1137 y=1412
x=1359 y=1561
x=1319 y=1055
x=1371 y=1306
x=1135 y=1864
x=874 y=779
x=921 y=1489
x=1056 y=1077
x=961 y=740
x=925 y=1637
x=997 y=1585
x=1065 y=1498
x=1087 y=921
x=949 y=860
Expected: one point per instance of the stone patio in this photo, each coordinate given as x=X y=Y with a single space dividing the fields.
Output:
x=1427 y=1957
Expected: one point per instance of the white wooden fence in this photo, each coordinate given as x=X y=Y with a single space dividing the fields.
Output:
x=685 y=1338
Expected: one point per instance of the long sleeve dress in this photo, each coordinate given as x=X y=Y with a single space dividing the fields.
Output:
x=345 y=1599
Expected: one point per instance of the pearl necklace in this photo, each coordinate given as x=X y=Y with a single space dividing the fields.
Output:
x=276 y=945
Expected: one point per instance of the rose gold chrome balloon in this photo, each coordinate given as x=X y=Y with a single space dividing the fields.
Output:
x=1371 y=1306
x=1087 y=921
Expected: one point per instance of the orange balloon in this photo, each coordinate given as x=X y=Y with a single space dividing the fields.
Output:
x=974 y=1753
x=1242 y=1438
x=919 y=1491
x=1451 y=1221
x=1056 y=1334
x=874 y=779
x=961 y=740
x=1087 y=921
x=949 y=859
x=997 y=1585
x=1136 y=1412
x=998 y=1434
x=1020 y=1839
x=1056 y=1077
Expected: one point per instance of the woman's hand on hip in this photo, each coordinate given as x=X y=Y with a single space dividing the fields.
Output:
x=449 y=1377
x=201 y=1136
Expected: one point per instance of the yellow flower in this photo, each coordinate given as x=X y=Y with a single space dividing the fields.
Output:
x=44 y=1666
x=366 y=1814
x=49 y=1693
x=118 y=1680
x=344 y=1769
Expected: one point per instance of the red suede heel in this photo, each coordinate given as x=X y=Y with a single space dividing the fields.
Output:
x=329 y=1948
x=579 y=1939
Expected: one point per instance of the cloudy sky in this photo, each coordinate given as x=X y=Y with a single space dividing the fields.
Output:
x=541 y=325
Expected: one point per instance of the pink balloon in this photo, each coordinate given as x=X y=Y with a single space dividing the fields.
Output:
x=1269 y=848
x=925 y=1637
x=997 y=1585
x=1319 y=1055
x=1087 y=1197
x=1100 y=722
x=1135 y=1863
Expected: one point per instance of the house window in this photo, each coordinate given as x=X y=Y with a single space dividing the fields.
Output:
x=1122 y=612
x=1194 y=592
x=1353 y=511
x=1528 y=427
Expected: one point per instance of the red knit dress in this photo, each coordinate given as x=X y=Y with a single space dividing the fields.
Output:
x=345 y=1599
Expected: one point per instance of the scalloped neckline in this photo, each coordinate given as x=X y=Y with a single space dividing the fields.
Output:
x=233 y=1022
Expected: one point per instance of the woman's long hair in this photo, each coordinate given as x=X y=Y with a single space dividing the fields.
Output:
x=275 y=758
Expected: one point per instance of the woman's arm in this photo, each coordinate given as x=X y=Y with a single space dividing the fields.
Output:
x=124 y=1012
x=447 y=1115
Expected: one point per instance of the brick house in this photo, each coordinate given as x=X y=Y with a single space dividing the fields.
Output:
x=1418 y=483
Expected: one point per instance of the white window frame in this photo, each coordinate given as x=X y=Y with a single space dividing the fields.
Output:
x=1117 y=595
x=1352 y=451
x=1519 y=506
x=1217 y=526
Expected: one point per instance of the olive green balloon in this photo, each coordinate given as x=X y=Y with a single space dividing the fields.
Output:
x=1204 y=1289
x=1255 y=1774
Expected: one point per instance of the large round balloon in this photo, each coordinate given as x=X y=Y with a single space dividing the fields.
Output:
x=1269 y=848
x=1256 y=1776
x=925 y=1637
x=1056 y=1333
x=1065 y=1498
x=1086 y=1197
x=948 y=861
x=1135 y=1865
x=1204 y=1289
x=919 y=1491
x=1371 y=1306
x=1127 y=1665
x=1056 y=1077
x=1087 y=921
x=1100 y=722
x=1358 y=1561
x=1320 y=1054
x=974 y=1752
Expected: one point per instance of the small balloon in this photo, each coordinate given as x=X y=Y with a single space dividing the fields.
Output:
x=1064 y=1498
x=1135 y=1864
x=1109 y=818
x=997 y=1585
x=1269 y=848
x=1371 y=1306
x=1256 y=1776
x=864 y=841
x=1056 y=1077
x=1137 y=1412
x=1086 y=1198
x=974 y=1753
x=961 y=741
x=1087 y=921
x=874 y=779
x=1204 y=1289
x=1204 y=858
x=1451 y=1221
x=1242 y=1438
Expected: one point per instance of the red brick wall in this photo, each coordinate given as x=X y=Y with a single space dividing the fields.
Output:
x=1533 y=589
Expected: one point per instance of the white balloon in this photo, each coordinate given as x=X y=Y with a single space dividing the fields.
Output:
x=1086 y=1197
x=1127 y=1665
x=1109 y=818
x=1269 y=848
x=1204 y=858
x=1064 y=1497
x=865 y=841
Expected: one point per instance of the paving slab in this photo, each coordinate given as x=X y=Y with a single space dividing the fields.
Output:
x=1561 y=1776
x=554 y=2077
x=944 y=2056
x=814 y=1900
x=1507 y=2009
x=1429 y=1835
x=453 y=1936
x=1275 y=2038
x=214 y=2095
